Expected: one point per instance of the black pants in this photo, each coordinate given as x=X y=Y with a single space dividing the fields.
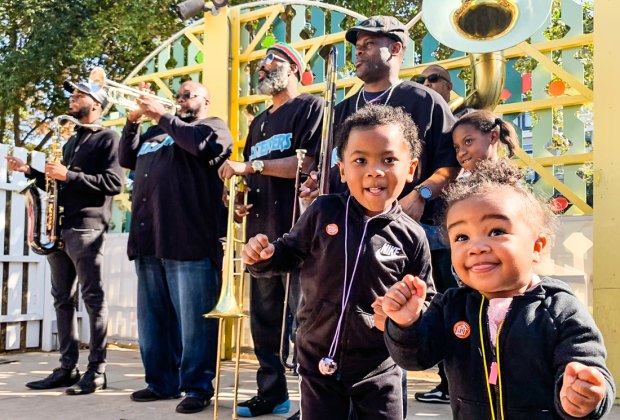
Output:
x=373 y=398
x=81 y=257
x=266 y=310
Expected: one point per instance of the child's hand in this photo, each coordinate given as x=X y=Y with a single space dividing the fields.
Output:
x=379 y=317
x=583 y=389
x=404 y=301
x=257 y=249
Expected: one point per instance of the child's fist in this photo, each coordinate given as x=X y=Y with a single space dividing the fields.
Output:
x=379 y=317
x=582 y=390
x=404 y=301
x=257 y=249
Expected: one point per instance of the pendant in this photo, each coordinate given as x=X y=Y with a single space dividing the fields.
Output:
x=327 y=366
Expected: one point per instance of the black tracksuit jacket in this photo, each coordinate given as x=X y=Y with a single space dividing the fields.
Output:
x=544 y=330
x=394 y=245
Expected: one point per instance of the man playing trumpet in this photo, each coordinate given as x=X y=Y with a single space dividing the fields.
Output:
x=89 y=177
x=176 y=205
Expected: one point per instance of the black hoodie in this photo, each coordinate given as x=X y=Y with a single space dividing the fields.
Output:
x=544 y=330
x=394 y=245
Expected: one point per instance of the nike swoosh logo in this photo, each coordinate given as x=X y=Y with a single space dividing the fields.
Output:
x=381 y=257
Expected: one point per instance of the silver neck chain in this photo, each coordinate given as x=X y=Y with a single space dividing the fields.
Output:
x=362 y=94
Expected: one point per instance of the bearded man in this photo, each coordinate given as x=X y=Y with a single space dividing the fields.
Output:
x=174 y=241
x=293 y=121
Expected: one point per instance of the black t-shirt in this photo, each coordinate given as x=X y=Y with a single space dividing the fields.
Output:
x=434 y=121
x=294 y=125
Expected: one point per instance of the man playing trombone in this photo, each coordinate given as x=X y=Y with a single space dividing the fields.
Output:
x=176 y=208
x=89 y=176
x=292 y=122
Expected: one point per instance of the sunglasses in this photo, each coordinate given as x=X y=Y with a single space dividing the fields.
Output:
x=186 y=96
x=271 y=57
x=433 y=78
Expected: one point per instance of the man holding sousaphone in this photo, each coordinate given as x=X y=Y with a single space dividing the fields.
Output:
x=176 y=215
x=89 y=176
x=292 y=122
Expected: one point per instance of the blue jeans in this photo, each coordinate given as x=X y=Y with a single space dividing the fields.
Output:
x=178 y=346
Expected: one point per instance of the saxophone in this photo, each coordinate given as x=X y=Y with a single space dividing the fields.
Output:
x=43 y=238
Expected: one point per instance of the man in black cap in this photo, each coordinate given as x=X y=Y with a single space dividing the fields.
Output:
x=89 y=176
x=380 y=42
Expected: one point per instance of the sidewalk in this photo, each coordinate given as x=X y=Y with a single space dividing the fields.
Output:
x=125 y=375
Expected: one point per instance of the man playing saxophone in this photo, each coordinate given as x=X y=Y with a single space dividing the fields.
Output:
x=89 y=176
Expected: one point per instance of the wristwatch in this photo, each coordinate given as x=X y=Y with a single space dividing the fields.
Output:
x=425 y=192
x=258 y=166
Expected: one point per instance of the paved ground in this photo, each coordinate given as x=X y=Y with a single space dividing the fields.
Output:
x=125 y=375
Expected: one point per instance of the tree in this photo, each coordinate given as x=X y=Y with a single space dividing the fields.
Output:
x=43 y=42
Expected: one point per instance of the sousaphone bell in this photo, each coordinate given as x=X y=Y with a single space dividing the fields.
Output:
x=484 y=28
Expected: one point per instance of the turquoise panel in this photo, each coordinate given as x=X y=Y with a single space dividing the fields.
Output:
x=513 y=82
x=298 y=23
x=429 y=45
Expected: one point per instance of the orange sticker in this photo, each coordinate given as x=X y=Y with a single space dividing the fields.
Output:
x=462 y=329
x=331 y=229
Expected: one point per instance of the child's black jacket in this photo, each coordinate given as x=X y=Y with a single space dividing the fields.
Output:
x=395 y=245
x=544 y=330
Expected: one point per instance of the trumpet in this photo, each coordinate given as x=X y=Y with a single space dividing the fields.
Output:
x=123 y=95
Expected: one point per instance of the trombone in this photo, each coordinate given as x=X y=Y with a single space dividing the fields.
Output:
x=123 y=95
x=227 y=306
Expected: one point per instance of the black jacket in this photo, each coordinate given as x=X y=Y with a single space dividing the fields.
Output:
x=544 y=330
x=176 y=201
x=94 y=176
x=394 y=245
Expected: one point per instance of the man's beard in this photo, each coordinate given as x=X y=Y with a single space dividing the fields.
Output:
x=189 y=114
x=80 y=113
x=275 y=80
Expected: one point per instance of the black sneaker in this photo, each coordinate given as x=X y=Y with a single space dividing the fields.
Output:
x=294 y=416
x=90 y=382
x=433 y=396
x=58 y=378
x=146 y=395
x=191 y=405
x=258 y=406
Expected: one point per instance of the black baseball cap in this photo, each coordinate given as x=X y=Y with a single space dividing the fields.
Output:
x=381 y=25
x=98 y=95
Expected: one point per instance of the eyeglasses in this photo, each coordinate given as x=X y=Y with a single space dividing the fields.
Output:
x=431 y=78
x=186 y=96
x=269 y=58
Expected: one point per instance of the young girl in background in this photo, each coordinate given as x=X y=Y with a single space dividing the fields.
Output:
x=482 y=135
x=514 y=345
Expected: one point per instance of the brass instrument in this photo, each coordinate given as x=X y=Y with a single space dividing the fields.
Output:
x=43 y=238
x=227 y=307
x=122 y=95
x=327 y=145
x=484 y=28
x=327 y=134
